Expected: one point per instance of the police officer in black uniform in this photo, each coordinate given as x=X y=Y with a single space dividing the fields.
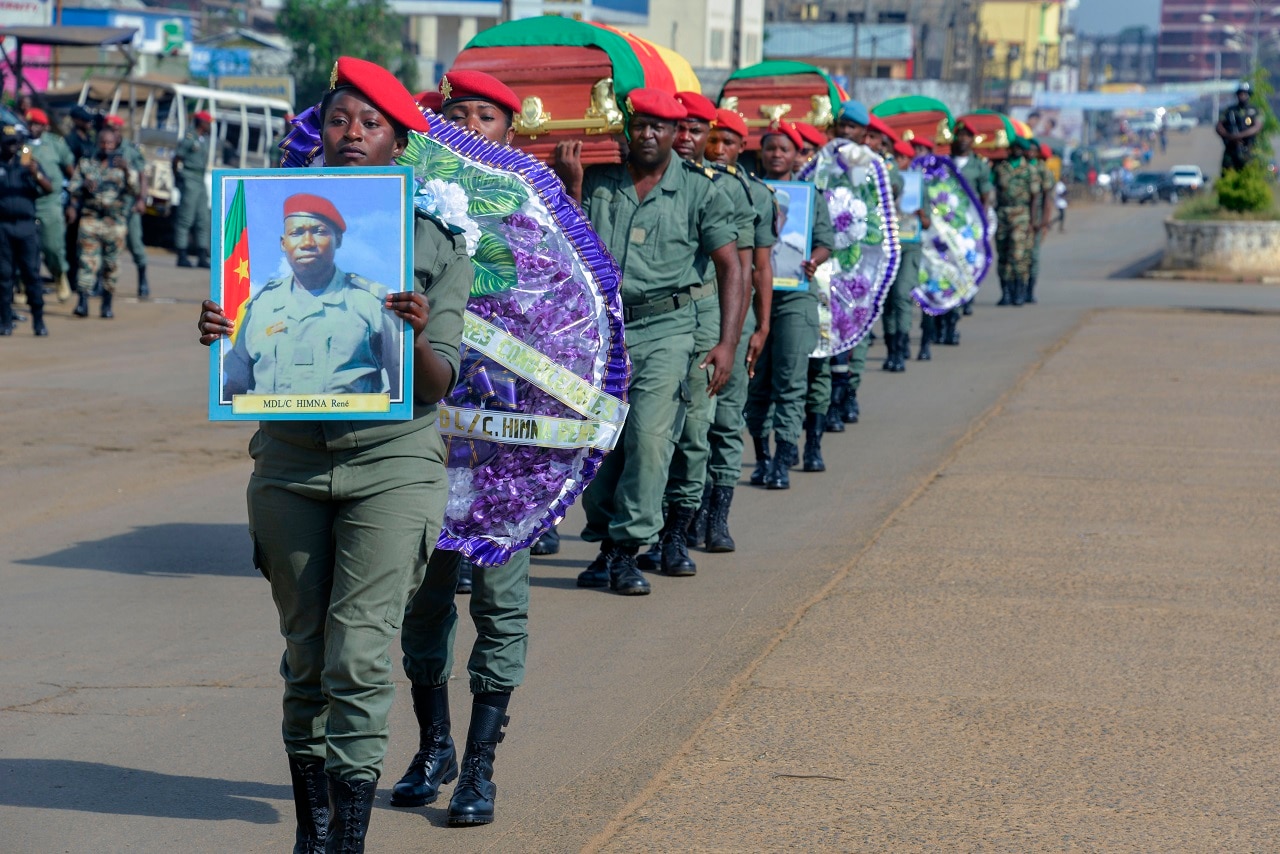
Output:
x=22 y=181
x=1239 y=126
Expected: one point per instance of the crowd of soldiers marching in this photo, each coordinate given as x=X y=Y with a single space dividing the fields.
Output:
x=74 y=200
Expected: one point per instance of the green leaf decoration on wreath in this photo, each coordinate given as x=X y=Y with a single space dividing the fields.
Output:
x=495 y=267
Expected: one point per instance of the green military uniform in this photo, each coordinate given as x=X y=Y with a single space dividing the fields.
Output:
x=725 y=465
x=1017 y=189
x=344 y=516
x=290 y=340
x=101 y=192
x=689 y=461
x=54 y=156
x=193 y=207
x=662 y=245
x=977 y=171
x=898 y=304
x=137 y=162
x=776 y=394
x=1047 y=180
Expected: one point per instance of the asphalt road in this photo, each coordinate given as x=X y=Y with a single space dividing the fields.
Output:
x=138 y=646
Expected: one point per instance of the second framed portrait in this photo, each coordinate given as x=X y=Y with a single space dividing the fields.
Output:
x=303 y=261
x=794 y=208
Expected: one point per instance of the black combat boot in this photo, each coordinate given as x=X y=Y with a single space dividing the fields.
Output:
x=106 y=311
x=597 y=572
x=951 y=335
x=891 y=351
x=144 y=290
x=547 y=544
x=1005 y=298
x=82 y=304
x=473 y=797
x=851 y=408
x=763 y=461
x=202 y=258
x=968 y=308
x=902 y=352
x=675 y=546
x=718 y=539
x=780 y=470
x=1017 y=292
x=928 y=328
x=464 y=577
x=625 y=578
x=813 y=443
x=436 y=762
x=1029 y=293
x=310 y=804
x=37 y=322
x=183 y=260
x=839 y=394
x=350 y=805
x=651 y=560
x=697 y=533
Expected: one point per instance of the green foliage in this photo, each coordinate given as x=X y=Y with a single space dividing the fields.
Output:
x=1245 y=190
x=495 y=266
x=323 y=30
x=1261 y=98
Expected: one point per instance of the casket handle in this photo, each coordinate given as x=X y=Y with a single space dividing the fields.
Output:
x=602 y=116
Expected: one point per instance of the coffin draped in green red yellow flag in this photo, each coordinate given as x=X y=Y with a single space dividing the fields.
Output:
x=781 y=90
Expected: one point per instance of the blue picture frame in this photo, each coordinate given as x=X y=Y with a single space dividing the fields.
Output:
x=794 y=206
x=332 y=352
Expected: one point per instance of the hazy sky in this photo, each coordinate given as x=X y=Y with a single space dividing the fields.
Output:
x=1110 y=16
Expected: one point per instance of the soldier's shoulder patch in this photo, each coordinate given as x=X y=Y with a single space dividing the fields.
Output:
x=704 y=171
x=376 y=289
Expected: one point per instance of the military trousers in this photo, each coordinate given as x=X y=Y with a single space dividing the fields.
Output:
x=817 y=398
x=499 y=605
x=53 y=239
x=19 y=263
x=689 y=461
x=724 y=467
x=898 y=304
x=101 y=242
x=344 y=538
x=776 y=394
x=193 y=214
x=858 y=362
x=624 y=502
x=1013 y=245
x=136 y=249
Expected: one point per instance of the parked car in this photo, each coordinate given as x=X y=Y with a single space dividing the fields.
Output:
x=1180 y=122
x=1188 y=179
x=1149 y=187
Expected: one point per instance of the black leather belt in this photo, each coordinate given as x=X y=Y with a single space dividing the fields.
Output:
x=631 y=313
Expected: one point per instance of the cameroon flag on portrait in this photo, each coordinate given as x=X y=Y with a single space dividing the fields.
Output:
x=235 y=259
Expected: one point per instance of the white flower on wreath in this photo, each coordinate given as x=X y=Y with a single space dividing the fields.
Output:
x=448 y=203
x=850 y=212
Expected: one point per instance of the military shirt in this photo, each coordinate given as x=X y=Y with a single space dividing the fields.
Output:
x=81 y=145
x=976 y=171
x=134 y=157
x=443 y=273
x=766 y=220
x=1238 y=119
x=335 y=341
x=193 y=151
x=662 y=243
x=1017 y=186
x=740 y=198
x=104 y=188
x=52 y=153
x=18 y=191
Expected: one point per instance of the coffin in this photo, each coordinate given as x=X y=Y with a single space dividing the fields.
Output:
x=790 y=91
x=992 y=130
x=572 y=79
x=918 y=117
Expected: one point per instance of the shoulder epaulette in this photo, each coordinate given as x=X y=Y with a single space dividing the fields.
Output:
x=704 y=171
x=378 y=290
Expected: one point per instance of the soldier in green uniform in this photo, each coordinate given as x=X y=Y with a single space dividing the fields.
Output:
x=499 y=600
x=189 y=164
x=662 y=218
x=55 y=158
x=1043 y=211
x=1018 y=190
x=99 y=200
x=847 y=368
x=137 y=162
x=344 y=515
x=776 y=395
x=898 y=305
x=725 y=465
x=687 y=495
x=319 y=330
x=977 y=172
x=82 y=140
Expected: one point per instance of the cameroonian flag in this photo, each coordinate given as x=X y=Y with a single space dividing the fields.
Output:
x=235 y=259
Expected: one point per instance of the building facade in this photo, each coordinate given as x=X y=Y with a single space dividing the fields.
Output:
x=1022 y=45
x=1203 y=40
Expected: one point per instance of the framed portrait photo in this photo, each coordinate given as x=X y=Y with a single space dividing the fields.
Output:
x=303 y=261
x=793 y=206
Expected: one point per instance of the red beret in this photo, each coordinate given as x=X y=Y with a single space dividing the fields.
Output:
x=114 y=121
x=786 y=129
x=656 y=103
x=1045 y=151
x=38 y=116
x=904 y=148
x=697 y=106
x=877 y=124
x=921 y=142
x=731 y=120
x=306 y=204
x=811 y=134
x=478 y=86
x=381 y=89
x=203 y=116
x=430 y=100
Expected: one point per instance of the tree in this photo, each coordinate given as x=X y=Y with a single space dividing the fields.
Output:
x=323 y=30
x=1261 y=98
